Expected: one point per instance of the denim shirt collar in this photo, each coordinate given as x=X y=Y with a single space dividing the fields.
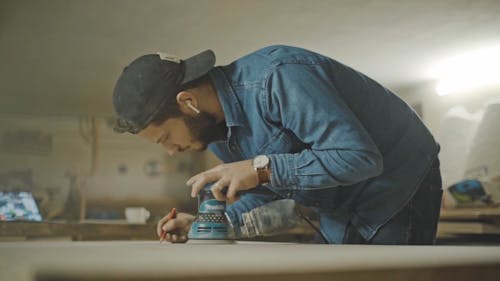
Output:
x=233 y=112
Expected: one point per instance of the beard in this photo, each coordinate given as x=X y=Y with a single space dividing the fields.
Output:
x=204 y=129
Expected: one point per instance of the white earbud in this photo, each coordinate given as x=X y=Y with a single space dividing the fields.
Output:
x=188 y=103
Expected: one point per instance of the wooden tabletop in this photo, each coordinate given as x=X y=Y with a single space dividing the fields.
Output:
x=23 y=261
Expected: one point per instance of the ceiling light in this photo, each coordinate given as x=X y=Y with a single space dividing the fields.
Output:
x=468 y=72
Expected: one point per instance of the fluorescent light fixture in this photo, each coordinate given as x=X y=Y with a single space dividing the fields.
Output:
x=467 y=72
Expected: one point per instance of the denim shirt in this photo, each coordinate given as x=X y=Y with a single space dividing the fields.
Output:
x=338 y=141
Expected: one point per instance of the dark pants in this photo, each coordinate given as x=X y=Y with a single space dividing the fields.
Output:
x=416 y=223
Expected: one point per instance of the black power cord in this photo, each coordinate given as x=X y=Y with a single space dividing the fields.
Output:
x=304 y=217
x=308 y=220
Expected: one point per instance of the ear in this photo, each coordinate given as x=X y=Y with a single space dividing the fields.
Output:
x=187 y=102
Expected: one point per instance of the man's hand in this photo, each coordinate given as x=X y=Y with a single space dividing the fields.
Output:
x=236 y=176
x=176 y=229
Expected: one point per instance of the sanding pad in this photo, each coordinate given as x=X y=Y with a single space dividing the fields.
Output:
x=211 y=241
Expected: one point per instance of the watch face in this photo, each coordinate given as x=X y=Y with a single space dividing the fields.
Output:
x=260 y=161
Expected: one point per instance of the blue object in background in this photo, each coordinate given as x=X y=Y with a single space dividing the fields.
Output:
x=18 y=206
x=468 y=191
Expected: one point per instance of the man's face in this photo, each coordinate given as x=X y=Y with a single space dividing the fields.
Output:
x=183 y=133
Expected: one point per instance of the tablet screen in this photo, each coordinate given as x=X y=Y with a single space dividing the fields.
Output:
x=18 y=206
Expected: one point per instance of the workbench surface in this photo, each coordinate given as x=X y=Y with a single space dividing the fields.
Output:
x=149 y=260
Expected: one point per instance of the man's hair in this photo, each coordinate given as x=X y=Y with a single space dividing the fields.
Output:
x=171 y=108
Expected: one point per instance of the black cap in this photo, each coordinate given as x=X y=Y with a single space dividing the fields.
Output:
x=149 y=81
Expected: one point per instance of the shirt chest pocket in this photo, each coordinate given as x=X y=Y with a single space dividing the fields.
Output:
x=280 y=142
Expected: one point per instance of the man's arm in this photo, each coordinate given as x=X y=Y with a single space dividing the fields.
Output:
x=245 y=204
x=304 y=100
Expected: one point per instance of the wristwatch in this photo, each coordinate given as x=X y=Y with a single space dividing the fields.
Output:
x=261 y=165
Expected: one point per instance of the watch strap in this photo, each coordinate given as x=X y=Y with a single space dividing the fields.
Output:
x=264 y=175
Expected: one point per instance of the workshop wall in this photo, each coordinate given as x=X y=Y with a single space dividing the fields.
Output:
x=458 y=140
x=435 y=107
x=61 y=153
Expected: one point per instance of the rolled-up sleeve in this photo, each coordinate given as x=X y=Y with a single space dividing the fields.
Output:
x=247 y=202
x=303 y=99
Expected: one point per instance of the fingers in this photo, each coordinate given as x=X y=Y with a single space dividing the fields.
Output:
x=215 y=169
x=238 y=176
x=176 y=226
x=178 y=238
x=175 y=231
x=162 y=221
x=160 y=224
x=158 y=228
x=232 y=190
x=172 y=225
x=218 y=188
x=181 y=223
x=200 y=181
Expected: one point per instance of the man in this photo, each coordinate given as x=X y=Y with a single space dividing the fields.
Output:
x=298 y=124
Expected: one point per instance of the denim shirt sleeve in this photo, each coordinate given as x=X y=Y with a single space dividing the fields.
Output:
x=247 y=202
x=302 y=98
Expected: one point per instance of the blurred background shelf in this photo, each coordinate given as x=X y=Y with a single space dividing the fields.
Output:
x=77 y=231
x=470 y=214
x=469 y=225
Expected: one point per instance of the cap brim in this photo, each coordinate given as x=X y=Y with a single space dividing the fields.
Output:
x=198 y=65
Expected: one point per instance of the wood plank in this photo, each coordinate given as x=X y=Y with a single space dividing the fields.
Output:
x=470 y=214
x=451 y=228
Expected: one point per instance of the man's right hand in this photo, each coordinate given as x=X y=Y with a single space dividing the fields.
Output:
x=176 y=228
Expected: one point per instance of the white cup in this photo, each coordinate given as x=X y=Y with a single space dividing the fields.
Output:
x=136 y=214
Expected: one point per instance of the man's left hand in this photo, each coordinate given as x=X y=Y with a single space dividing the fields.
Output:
x=236 y=176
